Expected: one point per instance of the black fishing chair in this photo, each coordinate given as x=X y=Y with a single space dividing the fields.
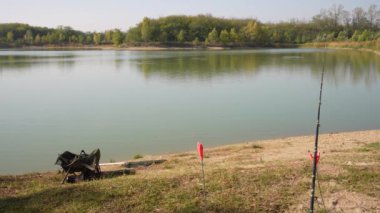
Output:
x=86 y=164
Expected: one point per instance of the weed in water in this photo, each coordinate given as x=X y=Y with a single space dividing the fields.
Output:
x=137 y=156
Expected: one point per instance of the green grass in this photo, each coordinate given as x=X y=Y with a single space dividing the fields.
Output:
x=372 y=45
x=361 y=179
x=370 y=147
x=237 y=190
x=137 y=156
x=175 y=185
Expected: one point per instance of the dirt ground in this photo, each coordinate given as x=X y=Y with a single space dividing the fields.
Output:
x=337 y=150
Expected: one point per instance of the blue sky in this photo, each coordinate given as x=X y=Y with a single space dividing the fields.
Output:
x=98 y=15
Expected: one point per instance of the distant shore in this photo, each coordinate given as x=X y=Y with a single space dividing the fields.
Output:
x=370 y=46
x=329 y=45
x=139 y=48
x=111 y=47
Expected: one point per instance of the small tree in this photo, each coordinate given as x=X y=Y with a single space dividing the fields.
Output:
x=117 y=37
x=224 y=37
x=196 y=42
x=213 y=36
x=276 y=36
x=133 y=35
x=234 y=36
x=28 y=37
x=81 y=39
x=37 y=39
x=255 y=32
x=88 y=39
x=108 y=36
x=355 y=36
x=330 y=37
x=181 y=36
x=365 y=36
x=10 y=36
x=73 y=39
x=342 y=36
x=97 y=38
x=146 y=30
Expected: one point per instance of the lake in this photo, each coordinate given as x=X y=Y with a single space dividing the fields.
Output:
x=152 y=102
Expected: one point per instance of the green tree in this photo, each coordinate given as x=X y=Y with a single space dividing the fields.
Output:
x=207 y=42
x=181 y=37
x=81 y=39
x=61 y=37
x=89 y=39
x=255 y=32
x=37 y=39
x=163 y=36
x=234 y=36
x=330 y=37
x=117 y=37
x=10 y=36
x=73 y=39
x=44 y=39
x=146 y=30
x=364 y=36
x=213 y=37
x=196 y=42
x=133 y=35
x=290 y=36
x=342 y=36
x=108 y=36
x=224 y=36
x=97 y=38
x=28 y=37
x=355 y=36
x=276 y=36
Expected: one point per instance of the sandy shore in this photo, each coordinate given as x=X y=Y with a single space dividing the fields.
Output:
x=298 y=148
x=268 y=175
x=337 y=151
x=281 y=149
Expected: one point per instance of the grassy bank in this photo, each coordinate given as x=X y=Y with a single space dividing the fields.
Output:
x=263 y=176
x=147 y=46
x=373 y=46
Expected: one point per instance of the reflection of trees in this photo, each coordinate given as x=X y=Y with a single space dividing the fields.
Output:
x=340 y=65
x=348 y=65
x=201 y=65
x=20 y=62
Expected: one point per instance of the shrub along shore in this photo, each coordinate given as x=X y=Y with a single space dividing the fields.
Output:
x=268 y=176
x=331 y=25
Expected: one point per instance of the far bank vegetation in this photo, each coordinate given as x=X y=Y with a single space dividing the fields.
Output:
x=332 y=25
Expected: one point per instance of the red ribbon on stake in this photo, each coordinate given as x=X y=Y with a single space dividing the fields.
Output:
x=200 y=153
x=312 y=157
x=200 y=150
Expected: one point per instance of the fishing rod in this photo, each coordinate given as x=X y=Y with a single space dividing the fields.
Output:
x=315 y=157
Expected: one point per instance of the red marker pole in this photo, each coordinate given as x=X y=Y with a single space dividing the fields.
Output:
x=200 y=152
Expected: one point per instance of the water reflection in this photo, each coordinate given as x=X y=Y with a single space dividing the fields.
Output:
x=339 y=65
x=22 y=62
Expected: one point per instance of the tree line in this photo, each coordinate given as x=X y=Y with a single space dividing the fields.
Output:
x=333 y=24
x=15 y=34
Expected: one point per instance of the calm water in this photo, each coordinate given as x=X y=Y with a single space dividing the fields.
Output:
x=128 y=103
